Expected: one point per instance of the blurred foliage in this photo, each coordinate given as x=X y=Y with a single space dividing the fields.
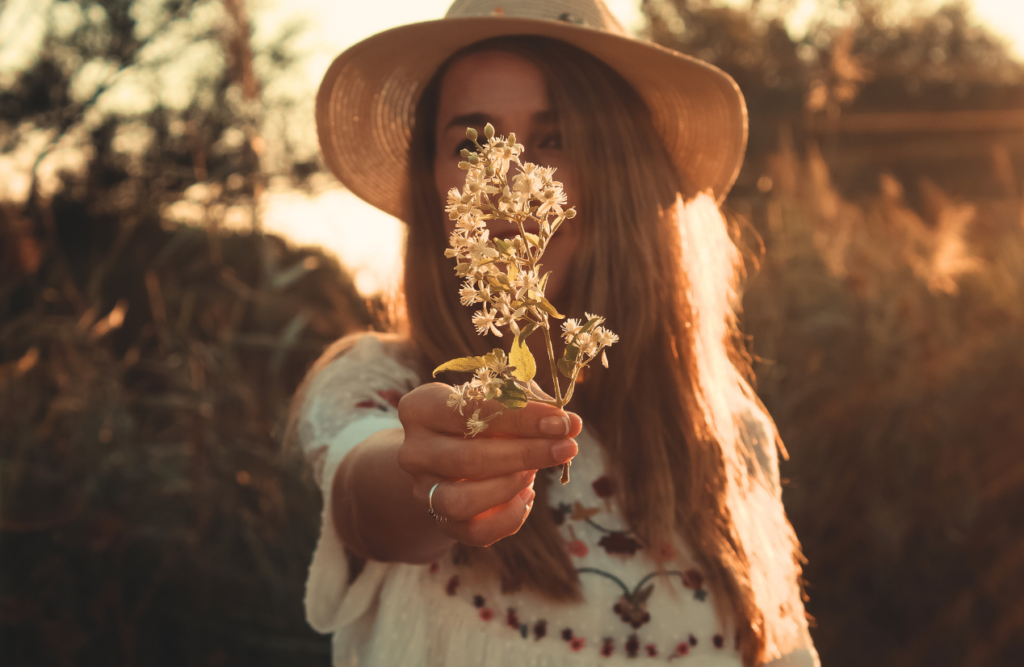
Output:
x=148 y=513
x=888 y=351
x=856 y=56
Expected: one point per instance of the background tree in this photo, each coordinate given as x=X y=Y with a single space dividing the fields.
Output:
x=150 y=339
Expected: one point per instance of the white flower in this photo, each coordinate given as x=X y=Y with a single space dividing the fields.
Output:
x=604 y=337
x=501 y=152
x=470 y=222
x=475 y=425
x=488 y=383
x=478 y=250
x=526 y=281
x=483 y=320
x=498 y=363
x=604 y=358
x=461 y=394
x=587 y=344
x=551 y=199
x=469 y=294
x=570 y=328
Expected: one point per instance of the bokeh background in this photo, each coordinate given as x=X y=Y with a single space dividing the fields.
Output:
x=173 y=257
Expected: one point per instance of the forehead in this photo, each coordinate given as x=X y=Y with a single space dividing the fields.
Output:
x=500 y=85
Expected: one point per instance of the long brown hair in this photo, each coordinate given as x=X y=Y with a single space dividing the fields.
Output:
x=665 y=411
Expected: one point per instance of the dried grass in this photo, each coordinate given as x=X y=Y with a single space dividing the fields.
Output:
x=889 y=348
x=149 y=515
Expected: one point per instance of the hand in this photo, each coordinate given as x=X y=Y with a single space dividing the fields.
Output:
x=486 y=488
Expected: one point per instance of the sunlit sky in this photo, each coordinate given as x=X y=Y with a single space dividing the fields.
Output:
x=364 y=239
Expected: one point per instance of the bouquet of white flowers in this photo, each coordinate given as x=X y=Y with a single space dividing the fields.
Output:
x=505 y=276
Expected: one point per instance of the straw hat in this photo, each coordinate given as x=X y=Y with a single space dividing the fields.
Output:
x=367 y=100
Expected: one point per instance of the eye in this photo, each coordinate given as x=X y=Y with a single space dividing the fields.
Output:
x=467 y=144
x=551 y=141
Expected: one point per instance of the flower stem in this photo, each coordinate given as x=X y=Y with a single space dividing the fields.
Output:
x=551 y=362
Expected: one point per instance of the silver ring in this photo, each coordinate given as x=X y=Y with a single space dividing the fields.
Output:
x=430 y=504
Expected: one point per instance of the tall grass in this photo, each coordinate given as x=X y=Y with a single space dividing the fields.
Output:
x=889 y=347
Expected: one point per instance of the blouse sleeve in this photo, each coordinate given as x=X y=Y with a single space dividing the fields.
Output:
x=353 y=397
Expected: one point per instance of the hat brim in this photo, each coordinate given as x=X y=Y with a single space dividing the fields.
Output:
x=366 y=104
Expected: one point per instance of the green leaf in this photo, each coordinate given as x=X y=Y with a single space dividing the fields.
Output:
x=512 y=397
x=572 y=354
x=544 y=281
x=589 y=325
x=462 y=365
x=533 y=239
x=527 y=331
x=550 y=310
x=502 y=247
x=522 y=359
x=565 y=367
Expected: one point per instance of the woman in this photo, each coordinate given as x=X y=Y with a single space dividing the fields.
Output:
x=670 y=542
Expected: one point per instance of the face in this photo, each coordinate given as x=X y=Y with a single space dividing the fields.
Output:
x=510 y=93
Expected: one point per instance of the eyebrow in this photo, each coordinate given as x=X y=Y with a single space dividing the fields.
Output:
x=479 y=119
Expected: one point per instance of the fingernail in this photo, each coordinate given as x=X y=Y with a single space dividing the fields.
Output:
x=563 y=450
x=527 y=494
x=554 y=425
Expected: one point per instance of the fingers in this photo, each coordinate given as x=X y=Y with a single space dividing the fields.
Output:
x=455 y=457
x=426 y=407
x=499 y=522
x=463 y=500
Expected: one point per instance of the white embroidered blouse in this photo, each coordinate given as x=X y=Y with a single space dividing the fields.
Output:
x=445 y=614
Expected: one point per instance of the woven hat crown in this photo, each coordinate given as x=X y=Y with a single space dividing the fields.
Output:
x=589 y=13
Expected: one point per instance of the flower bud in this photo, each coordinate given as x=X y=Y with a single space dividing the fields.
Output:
x=464 y=152
x=570 y=214
x=488 y=130
x=464 y=166
x=512 y=138
x=473 y=158
x=489 y=171
x=471 y=134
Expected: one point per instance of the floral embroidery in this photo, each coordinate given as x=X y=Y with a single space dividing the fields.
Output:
x=619 y=544
x=693 y=640
x=633 y=646
x=576 y=546
x=692 y=579
x=681 y=649
x=512 y=618
x=603 y=486
x=558 y=515
x=607 y=646
x=581 y=513
x=632 y=607
x=719 y=641
x=652 y=651
x=478 y=601
x=434 y=567
x=576 y=643
x=453 y=585
x=567 y=634
x=540 y=629
x=486 y=614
